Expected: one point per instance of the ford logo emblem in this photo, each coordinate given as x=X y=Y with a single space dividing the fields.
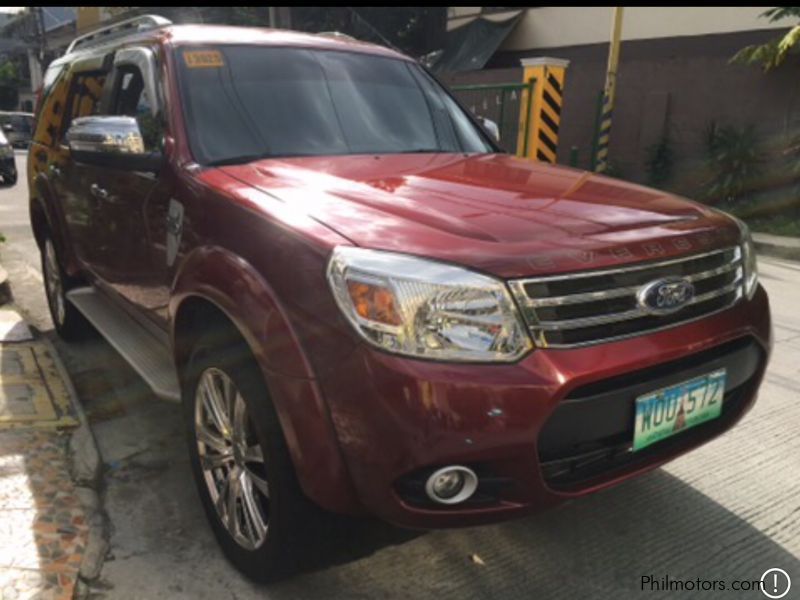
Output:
x=665 y=295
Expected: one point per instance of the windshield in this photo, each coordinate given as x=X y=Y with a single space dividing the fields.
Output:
x=247 y=102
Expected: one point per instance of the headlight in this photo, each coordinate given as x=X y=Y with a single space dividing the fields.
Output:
x=426 y=309
x=6 y=151
x=748 y=260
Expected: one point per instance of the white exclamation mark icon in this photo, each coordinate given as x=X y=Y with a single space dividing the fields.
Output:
x=778 y=590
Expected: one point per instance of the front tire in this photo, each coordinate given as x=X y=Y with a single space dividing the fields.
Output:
x=240 y=461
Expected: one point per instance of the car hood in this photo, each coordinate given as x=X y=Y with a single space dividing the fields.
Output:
x=495 y=213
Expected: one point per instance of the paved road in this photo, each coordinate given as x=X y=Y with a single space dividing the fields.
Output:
x=729 y=511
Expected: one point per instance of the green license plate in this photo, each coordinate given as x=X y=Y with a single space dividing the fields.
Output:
x=672 y=409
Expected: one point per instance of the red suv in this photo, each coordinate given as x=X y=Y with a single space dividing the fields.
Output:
x=362 y=303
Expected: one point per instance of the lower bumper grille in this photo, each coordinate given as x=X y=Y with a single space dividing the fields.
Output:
x=589 y=435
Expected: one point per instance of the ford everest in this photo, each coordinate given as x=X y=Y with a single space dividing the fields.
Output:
x=365 y=306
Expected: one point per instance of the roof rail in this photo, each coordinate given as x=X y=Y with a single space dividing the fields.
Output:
x=115 y=30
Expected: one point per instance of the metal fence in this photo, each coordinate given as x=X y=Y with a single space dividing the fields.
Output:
x=508 y=105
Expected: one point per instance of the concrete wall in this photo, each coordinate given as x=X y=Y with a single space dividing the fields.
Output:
x=680 y=84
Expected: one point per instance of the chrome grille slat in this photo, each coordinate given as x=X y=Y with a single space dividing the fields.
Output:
x=713 y=272
x=618 y=292
x=631 y=314
x=579 y=298
x=561 y=320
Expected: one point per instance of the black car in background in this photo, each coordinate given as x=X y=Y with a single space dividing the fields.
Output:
x=17 y=127
x=8 y=167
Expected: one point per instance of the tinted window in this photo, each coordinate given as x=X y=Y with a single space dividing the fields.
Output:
x=131 y=99
x=246 y=101
x=84 y=96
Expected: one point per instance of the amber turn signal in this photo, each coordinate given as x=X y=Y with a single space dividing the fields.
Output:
x=374 y=302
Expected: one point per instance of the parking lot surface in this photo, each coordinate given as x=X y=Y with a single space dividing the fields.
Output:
x=727 y=512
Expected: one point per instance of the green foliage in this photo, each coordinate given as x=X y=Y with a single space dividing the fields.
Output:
x=773 y=53
x=9 y=96
x=659 y=162
x=8 y=73
x=781 y=12
x=787 y=225
x=735 y=159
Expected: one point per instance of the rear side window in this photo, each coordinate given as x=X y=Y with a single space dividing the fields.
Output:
x=51 y=76
x=52 y=107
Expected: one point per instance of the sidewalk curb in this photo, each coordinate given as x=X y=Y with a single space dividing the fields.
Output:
x=85 y=466
x=5 y=287
x=777 y=246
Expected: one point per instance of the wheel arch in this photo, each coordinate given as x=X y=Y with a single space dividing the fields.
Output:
x=214 y=284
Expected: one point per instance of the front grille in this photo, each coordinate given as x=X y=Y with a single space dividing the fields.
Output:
x=584 y=308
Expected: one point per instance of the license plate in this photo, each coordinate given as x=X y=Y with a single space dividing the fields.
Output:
x=670 y=410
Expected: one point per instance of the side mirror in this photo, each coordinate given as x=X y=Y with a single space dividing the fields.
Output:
x=113 y=142
x=491 y=127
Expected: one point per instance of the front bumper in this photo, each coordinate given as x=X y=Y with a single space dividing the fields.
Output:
x=397 y=419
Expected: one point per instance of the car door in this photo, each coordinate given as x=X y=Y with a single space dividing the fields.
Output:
x=70 y=180
x=133 y=200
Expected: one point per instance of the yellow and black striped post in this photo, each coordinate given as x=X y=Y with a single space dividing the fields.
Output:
x=604 y=135
x=541 y=118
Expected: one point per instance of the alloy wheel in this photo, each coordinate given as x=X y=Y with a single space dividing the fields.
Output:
x=231 y=459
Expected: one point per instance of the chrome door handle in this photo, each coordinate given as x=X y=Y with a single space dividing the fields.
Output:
x=98 y=192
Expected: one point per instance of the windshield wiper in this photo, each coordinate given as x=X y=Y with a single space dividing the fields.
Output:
x=237 y=160
x=422 y=151
x=246 y=158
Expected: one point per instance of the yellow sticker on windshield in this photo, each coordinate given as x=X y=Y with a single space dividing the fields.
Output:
x=198 y=59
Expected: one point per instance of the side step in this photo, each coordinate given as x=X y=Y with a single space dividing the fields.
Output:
x=146 y=354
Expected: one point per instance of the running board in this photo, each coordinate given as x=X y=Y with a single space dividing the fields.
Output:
x=145 y=353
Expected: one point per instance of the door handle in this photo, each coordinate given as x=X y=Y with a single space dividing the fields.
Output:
x=98 y=192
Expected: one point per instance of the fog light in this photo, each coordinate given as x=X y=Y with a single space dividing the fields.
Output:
x=451 y=485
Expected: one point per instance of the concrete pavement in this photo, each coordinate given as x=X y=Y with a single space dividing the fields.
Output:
x=44 y=528
x=729 y=511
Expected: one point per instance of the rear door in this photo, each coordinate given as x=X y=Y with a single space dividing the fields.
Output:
x=71 y=181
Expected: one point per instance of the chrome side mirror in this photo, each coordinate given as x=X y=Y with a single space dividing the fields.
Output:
x=111 y=141
x=491 y=128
